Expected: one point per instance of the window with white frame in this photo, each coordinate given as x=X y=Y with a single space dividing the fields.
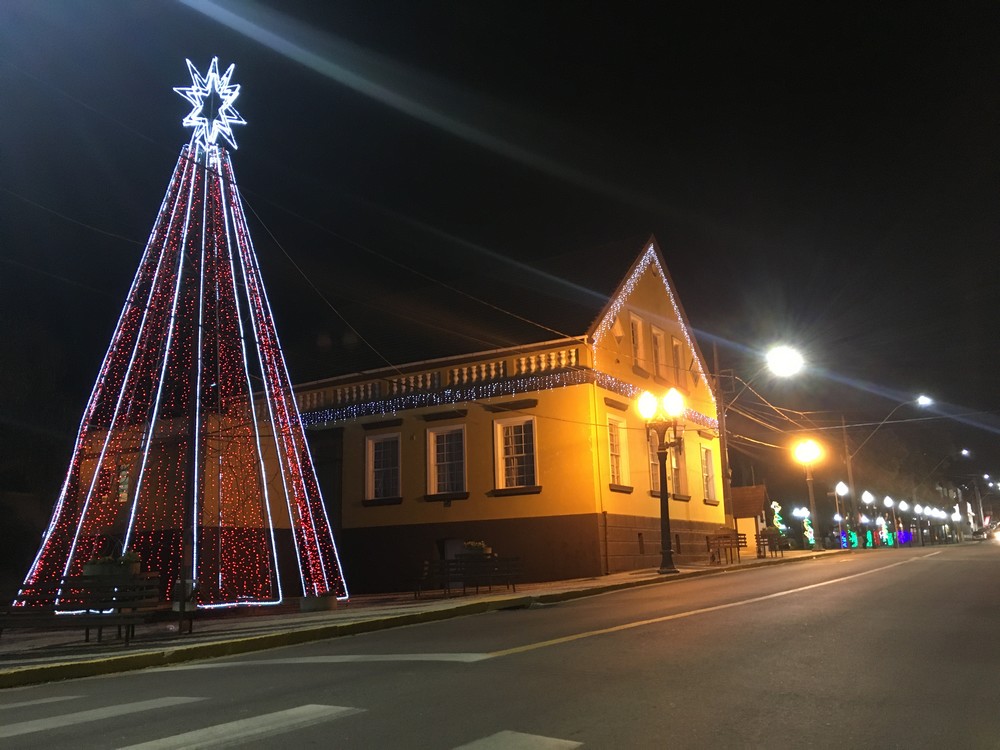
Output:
x=675 y=467
x=659 y=352
x=516 y=461
x=446 y=460
x=383 y=467
x=677 y=354
x=677 y=484
x=638 y=343
x=707 y=473
x=618 y=449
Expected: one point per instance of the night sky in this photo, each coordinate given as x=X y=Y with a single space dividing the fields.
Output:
x=825 y=177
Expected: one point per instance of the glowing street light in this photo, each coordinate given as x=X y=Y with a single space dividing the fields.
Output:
x=889 y=503
x=782 y=361
x=841 y=490
x=807 y=452
x=663 y=415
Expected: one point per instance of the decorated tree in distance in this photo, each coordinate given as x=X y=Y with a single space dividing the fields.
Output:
x=191 y=452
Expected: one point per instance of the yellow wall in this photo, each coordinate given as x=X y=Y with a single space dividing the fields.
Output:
x=613 y=353
x=563 y=442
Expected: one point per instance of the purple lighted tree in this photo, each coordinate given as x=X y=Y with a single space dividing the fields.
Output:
x=191 y=451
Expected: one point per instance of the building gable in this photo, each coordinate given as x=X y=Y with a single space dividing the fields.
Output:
x=648 y=271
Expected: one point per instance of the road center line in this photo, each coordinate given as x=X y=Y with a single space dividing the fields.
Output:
x=470 y=658
x=691 y=612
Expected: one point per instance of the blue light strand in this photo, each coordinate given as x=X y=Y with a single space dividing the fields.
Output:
x=481 y=391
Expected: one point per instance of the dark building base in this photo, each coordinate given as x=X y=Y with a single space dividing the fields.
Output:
x=389 y=558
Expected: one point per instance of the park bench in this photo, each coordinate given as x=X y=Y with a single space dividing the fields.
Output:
x=728 y=543
x=89 y=602
x=467 y=571
x=769 y=543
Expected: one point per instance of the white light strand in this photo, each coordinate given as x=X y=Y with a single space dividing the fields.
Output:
x=206 y=131
x=649 y=258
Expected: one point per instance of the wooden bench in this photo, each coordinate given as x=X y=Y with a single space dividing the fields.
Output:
x=730 y=543
x=487 y=570
x=438 y=574
x=769 y=544
x=88 y=602
x=467 y=571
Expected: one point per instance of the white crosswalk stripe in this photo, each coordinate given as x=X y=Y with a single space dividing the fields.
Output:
x=507 y=740
x=95 y=714
x=253 y=728
x=39 y=702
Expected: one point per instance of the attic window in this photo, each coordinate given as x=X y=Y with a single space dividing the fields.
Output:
x=617 y=330
x=638 y=339
x=659 y=352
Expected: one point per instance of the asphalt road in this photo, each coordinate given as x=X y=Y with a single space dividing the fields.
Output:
x=890 y=648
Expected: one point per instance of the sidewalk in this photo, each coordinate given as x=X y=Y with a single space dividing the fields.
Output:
x=34 y=656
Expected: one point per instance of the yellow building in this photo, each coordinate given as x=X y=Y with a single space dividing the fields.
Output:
x=536 y=450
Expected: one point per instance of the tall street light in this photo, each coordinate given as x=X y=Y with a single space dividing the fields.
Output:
x=782 y=361
x=838 y=492
x=868 y=499
x=807 y=452
x=921 y=401
x=889 y=503
x=904 y=507
x=663 y=415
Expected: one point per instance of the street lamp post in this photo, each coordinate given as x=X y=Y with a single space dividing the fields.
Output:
x=889 y=503
x=662 y=416
x=838 y=492
x=868 y=498
x=782 y=361
x=807 y=452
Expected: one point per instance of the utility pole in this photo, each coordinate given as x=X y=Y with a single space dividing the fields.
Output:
x=720 y=405
x=850 y=473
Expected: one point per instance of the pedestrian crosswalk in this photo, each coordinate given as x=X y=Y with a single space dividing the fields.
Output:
x=224 y=734
x=83 y=717
x=253 y=728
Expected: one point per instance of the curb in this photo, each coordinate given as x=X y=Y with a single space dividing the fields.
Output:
x=33 y=675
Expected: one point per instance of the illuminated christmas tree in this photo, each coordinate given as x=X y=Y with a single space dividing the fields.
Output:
x=191 y=452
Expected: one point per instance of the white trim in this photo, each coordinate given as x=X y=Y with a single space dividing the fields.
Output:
x=432 y=466
x=621 y=438
x=637 y=338
x=370 y=441
x=498 y=451
x=707 y=473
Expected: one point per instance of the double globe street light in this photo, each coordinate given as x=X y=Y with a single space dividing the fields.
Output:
x=663 y=415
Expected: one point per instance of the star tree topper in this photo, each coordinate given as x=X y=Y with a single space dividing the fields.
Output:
x=208 y=126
